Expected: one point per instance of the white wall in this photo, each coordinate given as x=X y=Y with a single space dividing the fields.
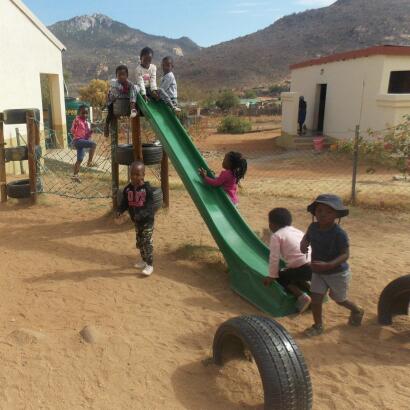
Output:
x=346 y=81
x=25 y=52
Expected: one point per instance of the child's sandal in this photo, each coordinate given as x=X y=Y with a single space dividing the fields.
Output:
x=356 y=318
x=315 y=330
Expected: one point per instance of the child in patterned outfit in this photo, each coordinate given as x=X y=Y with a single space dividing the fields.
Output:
x=120 y=87
x=139 y=201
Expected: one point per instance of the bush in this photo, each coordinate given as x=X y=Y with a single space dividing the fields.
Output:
x=234 y=125
x=250 y=94
x=227 y=100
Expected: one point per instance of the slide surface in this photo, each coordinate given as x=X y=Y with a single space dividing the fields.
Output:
x=246 y=255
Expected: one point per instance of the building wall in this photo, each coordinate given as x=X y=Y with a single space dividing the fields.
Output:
x=25 y=52
x=347 y=81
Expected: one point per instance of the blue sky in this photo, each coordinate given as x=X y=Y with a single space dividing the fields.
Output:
x=207 y=22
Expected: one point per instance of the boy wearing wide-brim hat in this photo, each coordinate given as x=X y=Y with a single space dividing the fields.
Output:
x=330 y=253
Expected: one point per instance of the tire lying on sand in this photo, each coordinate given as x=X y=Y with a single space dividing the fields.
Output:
x=285 y=376
x=158 y=197
x=21 y=188
x=18 y=116
x=394 y=300
x=152 y=154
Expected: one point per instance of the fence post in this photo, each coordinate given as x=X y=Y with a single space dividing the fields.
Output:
x=165 y=179
x=3 y=180
x=115 y=168
x=18 y=144
x=32 y=158
x=355 y=163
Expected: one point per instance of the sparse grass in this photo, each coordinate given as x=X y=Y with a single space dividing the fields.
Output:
x=201 y=253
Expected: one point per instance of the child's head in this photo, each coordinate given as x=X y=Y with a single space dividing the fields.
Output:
x=167 y=64
x=137 y=172
x=83 y=111
x=327 y=208
x=279 y=218
x=146 y=56
x=236 y=163
x=121 y=72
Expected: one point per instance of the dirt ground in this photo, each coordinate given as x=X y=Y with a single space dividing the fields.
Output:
x=66 y=265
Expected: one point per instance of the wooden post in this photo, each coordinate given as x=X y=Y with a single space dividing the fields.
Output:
x=115 y=168
x=32 y=162
x=3 y=179
x=165 y=179
x=355 y=164
x=136 y=138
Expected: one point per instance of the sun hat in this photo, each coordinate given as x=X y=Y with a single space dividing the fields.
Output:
x=331 y=200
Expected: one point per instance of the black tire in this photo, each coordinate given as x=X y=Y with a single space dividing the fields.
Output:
x=394 y=300
x=158 y=198
x=16 y=153
x=285 y=376
x=151 y=153
x=21 y=188
x=18 y=116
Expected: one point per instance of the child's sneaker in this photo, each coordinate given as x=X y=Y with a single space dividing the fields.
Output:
x=140 y=265
x=356 y=318
x=148 y=270
x=177 y=109
x=134 y=113
x=315 y=330
x=76 y=178
x=303 y=302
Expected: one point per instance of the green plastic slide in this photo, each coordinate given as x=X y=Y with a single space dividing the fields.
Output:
x=246 y=255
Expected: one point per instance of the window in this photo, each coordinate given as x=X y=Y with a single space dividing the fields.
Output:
x=399 y=82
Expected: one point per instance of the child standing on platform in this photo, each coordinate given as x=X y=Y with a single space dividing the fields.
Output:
x=139 y=201
x=81 y=132
x=235 y=167
x=285 y=245
x=120 y=87
x=168 y=87
x=330 y=253
x=147 y=74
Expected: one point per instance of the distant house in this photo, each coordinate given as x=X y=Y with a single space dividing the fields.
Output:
x=368 y=87
x=31 y=70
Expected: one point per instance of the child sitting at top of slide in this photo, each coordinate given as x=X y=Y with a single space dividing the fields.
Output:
x=330 y=253
x=234 y=169
x=147 y=74
x=168 y=86
x=81 y=132
x=120 y=87
x=138 y=199
x=285 y=245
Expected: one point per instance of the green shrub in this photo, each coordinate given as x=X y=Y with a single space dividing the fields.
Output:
x=250 y=94
x=227 y=100
x=234 y=125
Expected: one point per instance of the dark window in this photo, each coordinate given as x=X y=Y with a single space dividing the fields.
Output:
x=399 y=82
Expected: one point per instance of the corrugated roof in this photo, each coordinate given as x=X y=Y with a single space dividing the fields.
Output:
x=25 y=10
x=350 y=55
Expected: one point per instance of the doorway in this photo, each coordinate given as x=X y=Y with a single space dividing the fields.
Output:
x=322 y=107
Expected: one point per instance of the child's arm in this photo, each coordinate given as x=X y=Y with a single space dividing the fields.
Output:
x=274 y=258
x=140 y=82
x=304 y=244
x=124 y=203
x=320 y=266
x=153 y=78
x=216 y=182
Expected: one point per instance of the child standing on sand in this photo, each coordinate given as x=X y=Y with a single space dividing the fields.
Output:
x=168 y=88
x=330 y=252
x=120 y=87
x=139 y=201
x=234 y=169
x=147 y=74
x=81 y=132
x=285 y=245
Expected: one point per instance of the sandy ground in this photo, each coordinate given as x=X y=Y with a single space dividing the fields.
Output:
x=65 y=265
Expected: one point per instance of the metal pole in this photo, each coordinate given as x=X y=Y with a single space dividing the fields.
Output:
x=32 y=162
x=355 y=163
x=115 y=169
x=3 y=179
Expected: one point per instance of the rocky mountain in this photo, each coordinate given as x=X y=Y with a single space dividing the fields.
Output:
x=264 y=57
x=97 y=44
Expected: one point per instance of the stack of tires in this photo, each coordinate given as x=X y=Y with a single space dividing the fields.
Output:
x=152 y=154
x=21 y=188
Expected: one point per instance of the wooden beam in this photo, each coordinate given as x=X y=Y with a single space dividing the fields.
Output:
x=165 y=179
x=136 y=138
x=32 y=161
x=3 y=178
x=115 y=168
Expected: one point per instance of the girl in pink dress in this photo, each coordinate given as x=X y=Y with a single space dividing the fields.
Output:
x=234 y=169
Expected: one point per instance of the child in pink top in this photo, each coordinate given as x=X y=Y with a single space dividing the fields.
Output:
x=81 y=132
x=234 y=169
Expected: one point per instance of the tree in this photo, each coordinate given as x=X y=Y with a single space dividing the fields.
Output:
x=250 y=94
x=227 y=100
x=95 y=93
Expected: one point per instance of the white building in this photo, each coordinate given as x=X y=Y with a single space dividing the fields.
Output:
x=29 y=50
x=368 y=87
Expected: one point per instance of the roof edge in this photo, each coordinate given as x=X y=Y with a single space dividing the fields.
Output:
x=25 y=10
x=351 y=55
